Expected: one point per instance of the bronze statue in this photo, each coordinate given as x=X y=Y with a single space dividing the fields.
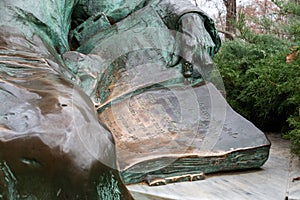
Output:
x=96 y=93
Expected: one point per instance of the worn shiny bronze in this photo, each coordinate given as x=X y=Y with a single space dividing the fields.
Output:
x=93 y=95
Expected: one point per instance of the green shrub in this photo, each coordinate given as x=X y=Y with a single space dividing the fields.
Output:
x=294 y=134
x=261 y=85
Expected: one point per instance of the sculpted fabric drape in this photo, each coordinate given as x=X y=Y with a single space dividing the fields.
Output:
x=91 y=90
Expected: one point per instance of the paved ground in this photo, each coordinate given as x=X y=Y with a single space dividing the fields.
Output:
x=274 y=181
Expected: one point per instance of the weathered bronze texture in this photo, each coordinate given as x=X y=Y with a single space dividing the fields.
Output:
x=51 y=143
x=89 y=89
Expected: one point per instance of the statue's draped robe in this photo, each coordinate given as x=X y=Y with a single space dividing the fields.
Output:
x=166 y=127
x=51 y=143
x=60 y=59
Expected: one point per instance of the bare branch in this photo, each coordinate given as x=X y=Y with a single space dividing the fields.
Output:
x=231 y=35
x=196 y=3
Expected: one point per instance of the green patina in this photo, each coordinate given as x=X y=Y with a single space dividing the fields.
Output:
x=244 y=159
x=95 y=46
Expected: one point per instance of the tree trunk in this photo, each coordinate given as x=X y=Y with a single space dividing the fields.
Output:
x=230 y=17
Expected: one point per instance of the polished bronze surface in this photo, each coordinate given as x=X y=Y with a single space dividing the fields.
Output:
x=89 y=89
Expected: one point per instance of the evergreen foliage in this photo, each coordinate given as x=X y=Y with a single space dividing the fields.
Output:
x=260 y=84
